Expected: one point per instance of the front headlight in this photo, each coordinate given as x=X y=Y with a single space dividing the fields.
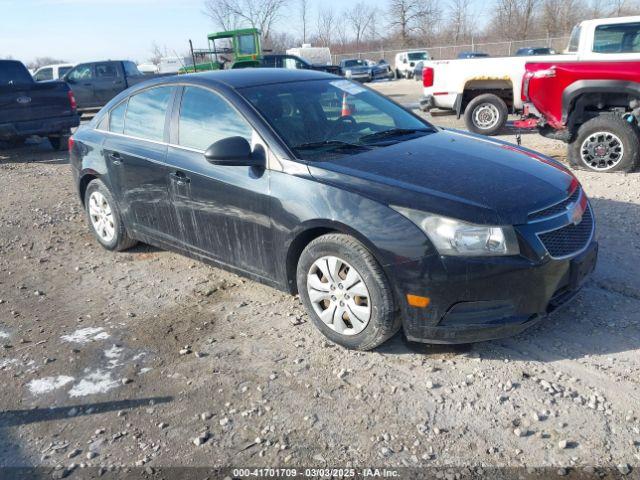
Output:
x=347 y=73
x=455 y=237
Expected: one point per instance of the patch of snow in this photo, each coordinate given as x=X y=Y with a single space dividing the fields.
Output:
x=113 y=354
x=7 y=362
x=86 y=335
x=144 y=370
x=48 y=384
x=96 y=382
x=4 y=334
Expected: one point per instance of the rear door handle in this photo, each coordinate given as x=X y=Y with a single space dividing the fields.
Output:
x=180 y=178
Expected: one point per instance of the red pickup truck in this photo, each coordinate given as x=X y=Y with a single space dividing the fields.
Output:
x=594 y=106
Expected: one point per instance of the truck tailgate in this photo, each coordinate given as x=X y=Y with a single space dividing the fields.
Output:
x=34 y=102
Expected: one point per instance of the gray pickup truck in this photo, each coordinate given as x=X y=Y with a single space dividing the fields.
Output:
x=27 y=107
x=95 y=83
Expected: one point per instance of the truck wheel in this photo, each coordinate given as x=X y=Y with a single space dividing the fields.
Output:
x=346 y=293
x=607 y=143
x=486 y=114
x=59 y=142
x=398 y=74
x=105 y=219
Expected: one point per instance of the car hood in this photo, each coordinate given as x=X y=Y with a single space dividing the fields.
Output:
x=454 y=174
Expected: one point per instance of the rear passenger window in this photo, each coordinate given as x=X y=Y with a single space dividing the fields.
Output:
x=106 y=70
x=116 y=118
x=146 y=114
x=617 y=38
x=206 y=118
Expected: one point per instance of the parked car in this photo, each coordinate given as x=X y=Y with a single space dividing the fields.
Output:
x=362 y=71
x=472 y=55
x=406 y=61
x=374 y=216
x=296 y=63
x=95 y=83
x=51 y=72
x=528 y=51
x=593 y=106
x=486 y=90
x=27 y=107
x=388 y=70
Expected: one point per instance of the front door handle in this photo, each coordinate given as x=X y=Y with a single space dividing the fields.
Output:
x=180 y=178
x=115 y=158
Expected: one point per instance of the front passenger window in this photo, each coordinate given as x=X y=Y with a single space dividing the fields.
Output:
x=206 y=118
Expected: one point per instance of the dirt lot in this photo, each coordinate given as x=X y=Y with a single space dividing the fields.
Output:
x=150 y=358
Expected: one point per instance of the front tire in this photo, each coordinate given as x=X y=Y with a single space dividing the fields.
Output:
x=346 y=293
x=104 y=218
x=607 y=143
x=486 y=114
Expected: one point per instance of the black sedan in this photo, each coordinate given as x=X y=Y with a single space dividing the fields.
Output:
x=317 y=185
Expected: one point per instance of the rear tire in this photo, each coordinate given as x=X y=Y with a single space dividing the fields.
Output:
x=607 y=143
x=343 y=297
x=59 y=142
x=486 y=114
x=105 y=219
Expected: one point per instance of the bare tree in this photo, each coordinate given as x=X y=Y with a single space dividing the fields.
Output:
x=559 y=16
x=459 y=20
x=407 y=17
x=156 y=54
x=304 y=18
x=514 y=19
x=360 y=18
x=231 y=14
x=40 y=61
x=326 y=24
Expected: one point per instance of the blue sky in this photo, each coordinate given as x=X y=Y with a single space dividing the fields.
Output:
x=83 y=30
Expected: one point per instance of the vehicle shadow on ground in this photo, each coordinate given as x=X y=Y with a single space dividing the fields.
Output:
x=33 y=152
x=13 y=418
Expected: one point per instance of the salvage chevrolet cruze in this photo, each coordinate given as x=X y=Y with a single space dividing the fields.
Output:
x=317 y=185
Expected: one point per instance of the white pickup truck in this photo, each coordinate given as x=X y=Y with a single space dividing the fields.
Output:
x=486 y=90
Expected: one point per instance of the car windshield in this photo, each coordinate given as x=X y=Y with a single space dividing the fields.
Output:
x=354 y=63
x=327 y=119
x=418 y=56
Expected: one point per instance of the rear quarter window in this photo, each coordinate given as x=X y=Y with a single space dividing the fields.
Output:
x=146 y=114
x=116 y=118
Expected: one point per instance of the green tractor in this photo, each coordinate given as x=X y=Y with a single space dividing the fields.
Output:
x=245 y=51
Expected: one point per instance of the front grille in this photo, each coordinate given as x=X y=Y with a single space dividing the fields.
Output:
x=570 y=239
x=556 y=209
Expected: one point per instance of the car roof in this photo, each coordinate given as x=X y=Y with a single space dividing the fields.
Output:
x=240 y=78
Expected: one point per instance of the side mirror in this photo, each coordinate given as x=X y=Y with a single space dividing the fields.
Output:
x=68 y=79
x=231 y=151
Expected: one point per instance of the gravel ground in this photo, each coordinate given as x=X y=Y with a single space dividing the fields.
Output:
x=150 y=358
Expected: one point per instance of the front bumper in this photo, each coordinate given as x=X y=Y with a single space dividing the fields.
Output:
x=42 y=127
x=477 y=299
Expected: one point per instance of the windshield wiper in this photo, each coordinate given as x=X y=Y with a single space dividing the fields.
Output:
x=393 y=132
x=332 y=144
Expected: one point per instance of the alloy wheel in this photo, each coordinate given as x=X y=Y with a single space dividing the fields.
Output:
x=339 y=295
x=101 y=217
x=601 y=151
x=486 y=116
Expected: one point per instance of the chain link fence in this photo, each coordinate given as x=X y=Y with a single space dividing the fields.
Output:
x=494 y=49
